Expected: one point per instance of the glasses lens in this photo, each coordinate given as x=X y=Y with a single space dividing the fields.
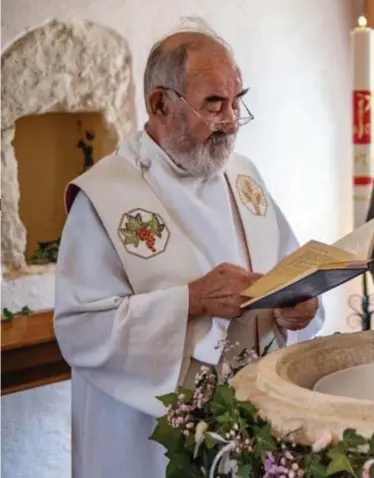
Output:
x=245 y=120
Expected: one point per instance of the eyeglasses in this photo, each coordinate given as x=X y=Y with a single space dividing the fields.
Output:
x=219 y=125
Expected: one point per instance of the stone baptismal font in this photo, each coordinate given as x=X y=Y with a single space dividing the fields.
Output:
x=323 y=385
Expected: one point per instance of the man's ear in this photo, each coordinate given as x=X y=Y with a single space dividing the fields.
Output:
x=157 y=103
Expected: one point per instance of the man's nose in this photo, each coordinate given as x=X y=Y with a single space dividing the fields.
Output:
x=228 y=126
x=230 y=120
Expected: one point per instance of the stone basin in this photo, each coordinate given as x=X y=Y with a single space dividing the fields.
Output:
x=297 y=388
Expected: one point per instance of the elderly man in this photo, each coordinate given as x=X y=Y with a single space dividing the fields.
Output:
x=161 y=238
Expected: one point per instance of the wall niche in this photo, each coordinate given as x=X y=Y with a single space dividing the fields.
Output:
x=51 y=150
x=53 y=77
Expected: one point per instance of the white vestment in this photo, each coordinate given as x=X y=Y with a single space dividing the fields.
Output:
x=122 y=321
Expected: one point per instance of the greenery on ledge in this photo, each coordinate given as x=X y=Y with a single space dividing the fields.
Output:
x=6 y=314
x=46 y=252
x=208 y=433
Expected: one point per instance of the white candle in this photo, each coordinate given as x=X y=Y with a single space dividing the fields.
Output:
x=362 y=45
x=362 y=48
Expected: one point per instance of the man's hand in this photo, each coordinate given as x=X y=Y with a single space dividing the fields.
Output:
x=217 y=294
x=297 y=317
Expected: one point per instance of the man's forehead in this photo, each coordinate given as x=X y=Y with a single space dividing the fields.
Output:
x=214 y=71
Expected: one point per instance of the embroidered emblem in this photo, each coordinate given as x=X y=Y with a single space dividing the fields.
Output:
x=143 y=233
x=252 y=195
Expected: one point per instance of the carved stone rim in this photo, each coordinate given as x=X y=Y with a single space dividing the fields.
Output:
x=295 y=407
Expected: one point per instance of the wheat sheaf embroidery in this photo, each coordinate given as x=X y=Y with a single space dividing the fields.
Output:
x=252 y=195
x=143 y=233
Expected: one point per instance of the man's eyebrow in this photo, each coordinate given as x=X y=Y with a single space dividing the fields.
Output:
x=216 y=98
x=242 y=93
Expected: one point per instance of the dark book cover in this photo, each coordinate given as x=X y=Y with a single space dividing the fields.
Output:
x=313 y=285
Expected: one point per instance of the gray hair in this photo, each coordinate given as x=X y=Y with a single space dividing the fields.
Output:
x=168 y=68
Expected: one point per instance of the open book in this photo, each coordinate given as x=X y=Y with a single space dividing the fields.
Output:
x=312 y=270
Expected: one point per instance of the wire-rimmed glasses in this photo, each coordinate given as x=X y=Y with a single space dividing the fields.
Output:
x=219 y=125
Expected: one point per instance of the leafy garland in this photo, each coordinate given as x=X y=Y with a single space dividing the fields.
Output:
x=7 y=314
x=207 y=432
x=46 y=252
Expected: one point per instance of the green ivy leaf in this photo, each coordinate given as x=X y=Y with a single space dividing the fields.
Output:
x=170 y=438
x=264 y=439
x=352 y=439
x=25 y=310
x=339 y=462
x=248 y=410
x=182 y=467
x=189 y=443
x=224 y=419
x=188 y=394
x=315 y=469
x=223 y=399
x=244 y=471
x=168 y=399
x=210 y=442
x=6 y=314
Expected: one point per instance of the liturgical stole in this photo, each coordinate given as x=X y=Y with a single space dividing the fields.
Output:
x=153 y=246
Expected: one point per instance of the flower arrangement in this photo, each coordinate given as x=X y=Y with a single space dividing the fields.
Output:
x=208 y=433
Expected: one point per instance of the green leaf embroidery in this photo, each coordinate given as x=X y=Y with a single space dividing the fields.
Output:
x=155 y=226
x=132 y=224
x=131 y=238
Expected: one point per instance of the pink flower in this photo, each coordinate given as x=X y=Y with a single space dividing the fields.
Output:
x=367 y=467
x=322 y=441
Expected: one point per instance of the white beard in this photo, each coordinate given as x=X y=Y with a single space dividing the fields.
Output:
x=205 y=160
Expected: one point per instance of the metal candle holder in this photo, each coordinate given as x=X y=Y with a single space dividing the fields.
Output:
x=362 y=306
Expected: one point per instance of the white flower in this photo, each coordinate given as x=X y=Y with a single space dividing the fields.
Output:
x=201 y=428
x=225 y=370
x=322 y=441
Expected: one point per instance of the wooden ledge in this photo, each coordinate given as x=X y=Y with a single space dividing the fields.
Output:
x=30 y=354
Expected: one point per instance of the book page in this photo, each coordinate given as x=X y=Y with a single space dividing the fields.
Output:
x=305 y=259
x=359 y=242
